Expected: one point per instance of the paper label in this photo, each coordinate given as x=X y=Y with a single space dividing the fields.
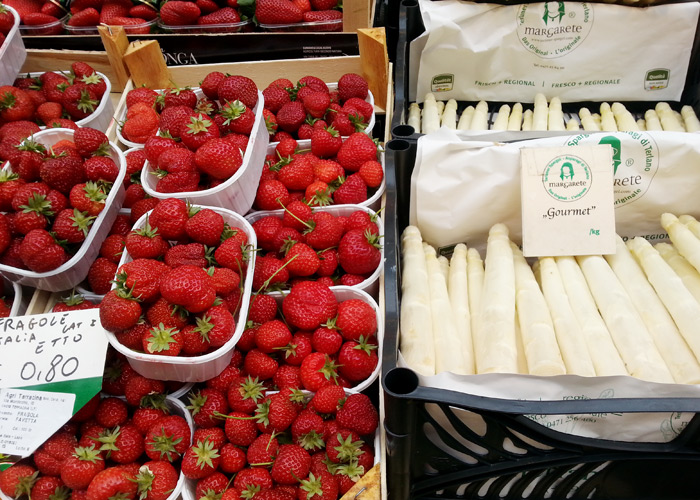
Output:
x=51 y=348
x=567 y=201
x=28 y=418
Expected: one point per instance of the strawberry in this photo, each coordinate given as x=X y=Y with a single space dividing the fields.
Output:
x=301 y=260
x=34 y=215
x=325 y=142
x=291 y=115
x=358 y=252
x=343 y=446
x=17 y=480
x=7 y=20
x=111 y=412
x=271 y=195
x=179 y=182
x=141 y=278
x=211 y=486
x=145 y=243
x=358 y=414
x=168 y=438
x=188 y=286
x=156 y=480
x=123 y=444
x=262 y=308
x=179 y=97
x=143 y=11
x=317 y=370
x=112 y=9
x=15 y=104
x=211 y=83
x=308 y=305
x=307 y=430
x=141 y=94
x=216 y=325
x=162 y=341
x=253 y=480
x=170 y=218
x=198 y=131
x=240 y=429
x=356 y=150
x=200 y=460
x=73 y=302
x=205 y=405
x=40 y=252
x=259 y=364
x=156 y=145
x=141 y=127
x=357 y=360
x=326 y=340
x=233 y=459
x=119 y=311
x=352 y=191
x=318 y=487
x=328 y=399
x=362 y=220
x=324 y=231
x=244 y=393
x=133 y=337
x=356 y=319
x=218 y=158
x=62 y=173
x=72 y=225
x=121 y=225
x=352 y=85
x=317 y=103
x=114 y=482
x=224 y=15
x=272 y=335
x=225 y=281
x=287 y=377
x=275 y=98
x=191 y=254
x=292 y=463
x=79 y=100
x=49 y=111
x=179 y=13
x=230 y=255
x=241 y=88
x=49 y=488
x=134 y=193
x=177 y=160
x=324 y=16
x=100 y=275
x=90 y=142
x=141 y=207
x=113 y=247
x=101 y=168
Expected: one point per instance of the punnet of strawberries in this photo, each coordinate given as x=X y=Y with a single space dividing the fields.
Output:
x=300 y=243
x=295 y=110
x=7 y=22
x=112 y=448
x=251 y=442
x=328 y=170
x=208 y=16
x=181 y=299
x=52 y=196
x=44 y=16
x=308 y=15
x=51 y=99
x=136 y=17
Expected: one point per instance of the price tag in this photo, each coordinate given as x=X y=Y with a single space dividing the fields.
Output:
x=567 y=201
x=28 y=418
x=49 y=349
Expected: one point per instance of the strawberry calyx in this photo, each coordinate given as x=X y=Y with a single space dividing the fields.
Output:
x=330 y=324
x=161 y=338
x=156 y=401
x=373 y=239
x=39 y=204
x=86 y=103
x=270 y=125
x=108 y=438
x=197 y=401
x=95 y=192
x=25 y=484
x=159 y=172
x=6 y=175
x=312 y=486
x=205 y=453
x=322 y=197
x=330 y=370
x=198 y=125
x=165 y=445
x=32 y=146
x=8 y=100
x=204 y=107
x=211 y=494
x=102 y=150
x=228 y=232
x=348 y=449
x=363 y=345
x=357 y=120
x=87 y=454
x=352 y=469
x=232 y=111
x=147 y=231
x=204 y=326
x=123 y=292
x=332 y=131
x=60 y=493
x=252 y=388
x=82 y=221
x=250 y=491
x=92 y=79
x=144 y=480
x=312 y=440
x=209 y=255
x=74 y=299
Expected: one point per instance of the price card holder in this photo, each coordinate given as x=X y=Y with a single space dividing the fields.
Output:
x=567 y=201
x=50 y=366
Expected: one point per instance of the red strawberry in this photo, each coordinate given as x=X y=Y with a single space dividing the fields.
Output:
x=179 y=182
x=162 y=341
x=357 y=359
x=18 y=480
x=15 y=104
x=259 y=364
x=317 y=370
x=145 y=243
x=301 y=260
x=324 y=16
x=292 y=114
x=141 y=278
x=143 y=11
x=90 y=142
x=112 y=9
x=292 y=463
x=139 y=128
x=141 y=94
x=239 y=88
x=62 y=173
x=101 y=168
x=80 y=100
x=200 y=460
x=123 y=444
x=133 y=337
x=211 y=486
x=100 y=275
x=262 y=308
x=113 y=247
x=218 y=158
x=121 y=225
x=113 y=482
x=170 y=218
x=358 y=252
x=358 y=414
x=352 y=191
x=73 y=302
x=156 y=480
x=318 y=487
x=49 y=488
x=308 y=305
x=205 y=405
x=326 y=340
x=297 y=174
x=211 y=83
x=216 y=325
x=225 y=281
x=156 y=145
x=271 y=195
x=244 y=393
x=307 y=429
x=190 y=254
x=179 y=97
x=72 y=225
x=325 y=142
x=168 y=438
x=224 y=15
x=140 y=207
x=328 y=398
x=356 y=319
x=179 y=13
x=352 y=85
x=356 y=150
x=188 y=286
x=240 y=429
x=253 y=479
x=40 y=252
x=119 y=311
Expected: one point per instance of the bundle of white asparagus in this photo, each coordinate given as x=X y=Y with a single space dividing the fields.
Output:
x=631 y=313
x=547 y=116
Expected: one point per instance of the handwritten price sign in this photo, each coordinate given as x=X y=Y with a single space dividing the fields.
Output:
x=51 y=348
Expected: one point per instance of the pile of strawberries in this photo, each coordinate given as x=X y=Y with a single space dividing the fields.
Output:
x=111 y=448
x=302 y=243
x=40 y=13
x=52 y=99
x=51 y=198
x=7 y=22
x=134 y=16
x=203 y=13
x=285 y=12
x=189 y=293
x=249 y=443
x=331 y=171
x=294 y=111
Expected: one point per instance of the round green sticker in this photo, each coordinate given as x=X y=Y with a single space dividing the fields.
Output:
x=567 y=178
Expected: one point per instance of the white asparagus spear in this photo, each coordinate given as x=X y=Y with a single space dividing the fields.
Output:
x=604 y=355
x=444 y=266
x=475 y=283
x=684 y=240
x=691 y=223
x=652 y=120
x=430 y=120
x=623 y=118
x=540 y=113
x=527 y=120
x=501 y=121
x=571 y=339
x=668 y=340
x=679 y=118
x=597 y=119
x=494 y=339
x=417 y=345
x=680 y=303
x=480 y=120
x=587 y=121
x=687 y=273
x=515 y=119
x=440 y=108
x=690 y=119
x=449 y=115
x=607 y=119
x=642 y=124
x=573 y=125
x=668 y=119
x=458 y=290
x=465 y=119
x=536 y=328
x=633 y=341
x=449 y=355
x=414 y=116
x=555 y=116
x=520 y=348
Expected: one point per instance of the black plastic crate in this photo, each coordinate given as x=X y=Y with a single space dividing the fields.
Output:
x=445 y=444
x=411 y=26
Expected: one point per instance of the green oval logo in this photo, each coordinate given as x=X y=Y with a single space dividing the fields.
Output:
x=567 y=178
